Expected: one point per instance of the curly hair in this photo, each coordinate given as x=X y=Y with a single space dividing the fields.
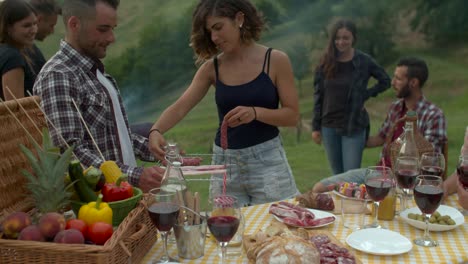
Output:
x=200 y=39
x=328 y=60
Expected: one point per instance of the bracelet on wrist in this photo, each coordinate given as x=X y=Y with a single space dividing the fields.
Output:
x=154 y=129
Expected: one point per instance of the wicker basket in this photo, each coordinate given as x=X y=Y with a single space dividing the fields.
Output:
x=120 y=209
x=130 y=242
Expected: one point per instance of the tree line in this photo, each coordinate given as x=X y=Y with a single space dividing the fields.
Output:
x=163 y=61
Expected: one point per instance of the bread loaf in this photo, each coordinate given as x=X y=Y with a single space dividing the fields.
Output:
x=287 y=249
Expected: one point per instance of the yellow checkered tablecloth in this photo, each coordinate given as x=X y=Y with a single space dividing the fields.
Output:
x=452 y=249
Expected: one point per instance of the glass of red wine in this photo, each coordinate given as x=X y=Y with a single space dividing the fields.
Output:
x=379 y=180
x=462 y=171
x=428 y=193
x=224 y=220
x=163 y=212
x=432 y=163
x=406 y=170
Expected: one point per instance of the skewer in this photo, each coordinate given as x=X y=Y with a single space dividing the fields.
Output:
x=87 y=129
x=24 y=110
x=19 y=122
x=53 y=126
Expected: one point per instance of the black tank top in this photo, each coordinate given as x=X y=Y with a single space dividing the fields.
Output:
x=260 y=92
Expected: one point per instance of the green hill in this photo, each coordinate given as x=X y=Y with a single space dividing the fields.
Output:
x=446 y=87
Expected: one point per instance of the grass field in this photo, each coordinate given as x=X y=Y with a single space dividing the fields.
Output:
x=446 y=87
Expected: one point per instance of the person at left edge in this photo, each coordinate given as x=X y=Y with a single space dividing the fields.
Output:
x=76 y=72
x=18 y=27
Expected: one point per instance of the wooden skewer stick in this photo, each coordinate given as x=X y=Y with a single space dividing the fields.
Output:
x=52 y=125
x=24 y=110
x=87 y=129
x=19 y=122
x=196 y=202
x=49 y=121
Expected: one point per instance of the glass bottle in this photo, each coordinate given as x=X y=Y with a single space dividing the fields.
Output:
x=174 y=179
x=408 y=147
x=464 y=148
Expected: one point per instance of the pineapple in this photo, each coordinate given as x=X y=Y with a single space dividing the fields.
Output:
x=46 y=183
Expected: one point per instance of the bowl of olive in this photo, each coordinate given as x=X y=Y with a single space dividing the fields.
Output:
x=444 y=219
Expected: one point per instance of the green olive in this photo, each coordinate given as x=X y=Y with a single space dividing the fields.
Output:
x=436 y=214
x=451 y=222
x=412 y=216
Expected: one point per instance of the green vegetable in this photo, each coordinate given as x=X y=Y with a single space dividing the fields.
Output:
x=95 y=179
x=85 y=193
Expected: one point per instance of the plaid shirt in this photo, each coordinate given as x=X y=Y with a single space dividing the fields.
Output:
x=70 y=75
x=431 y=124
x=356 y=116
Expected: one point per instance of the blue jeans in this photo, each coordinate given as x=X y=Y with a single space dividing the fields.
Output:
x=344 y=152
x=260 y=174
x=355 y=175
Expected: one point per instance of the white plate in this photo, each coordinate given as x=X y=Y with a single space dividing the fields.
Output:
x=317 y=213
x=443 y=210
x=347 y=197
x=378 y=241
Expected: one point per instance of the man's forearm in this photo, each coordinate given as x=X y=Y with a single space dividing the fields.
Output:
x=374 y=141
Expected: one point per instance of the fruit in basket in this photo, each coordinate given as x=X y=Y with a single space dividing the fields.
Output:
x=99 y=232
x=14 y=223
x=31 y=233
x=50 y=224
x=111 y=171
x=46 y=183
x=97 y=211
x=117 y=191
x=77 y=224
x=85 y=193
x=95 y=178
x=69 y=236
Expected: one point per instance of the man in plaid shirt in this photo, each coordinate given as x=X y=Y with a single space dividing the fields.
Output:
x=75 y=74
x=409 y=77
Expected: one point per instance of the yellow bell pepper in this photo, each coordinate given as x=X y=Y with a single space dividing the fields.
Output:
x=96 y=212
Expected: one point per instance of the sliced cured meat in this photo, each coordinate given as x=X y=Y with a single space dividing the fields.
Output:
x=343 y=260
x=319 y=221
x=224 y=136
x=326 y=252
x=319 y=240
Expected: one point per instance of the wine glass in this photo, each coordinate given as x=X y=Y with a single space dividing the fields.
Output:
x=224 y=220
x=462 y=171
x=379 y=180
x=163 y=212
x=432 y=163
x=428 y=194
x=406 y=170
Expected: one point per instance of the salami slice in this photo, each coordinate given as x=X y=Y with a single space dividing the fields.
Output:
x=319 y=240
x=326 y=252
x=327 y=260
x=224 y=137
x=343 y=260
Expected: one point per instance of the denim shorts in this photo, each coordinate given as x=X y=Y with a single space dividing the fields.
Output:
x=259 y=174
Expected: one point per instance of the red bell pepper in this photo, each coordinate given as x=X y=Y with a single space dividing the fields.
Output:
x=120 y=190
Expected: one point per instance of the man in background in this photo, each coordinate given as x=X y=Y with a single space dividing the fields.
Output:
x=75 y=74
x=47 y=12
x=410 y=75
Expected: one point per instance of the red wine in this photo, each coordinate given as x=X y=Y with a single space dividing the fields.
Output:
x=462 y=172
x=432 y=170
x=163 y=215
x=223 y=228
x=428 y=198
x=406 y=178
x=378 y=188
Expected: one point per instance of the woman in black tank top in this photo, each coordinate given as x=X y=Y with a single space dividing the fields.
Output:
x=255 y=94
